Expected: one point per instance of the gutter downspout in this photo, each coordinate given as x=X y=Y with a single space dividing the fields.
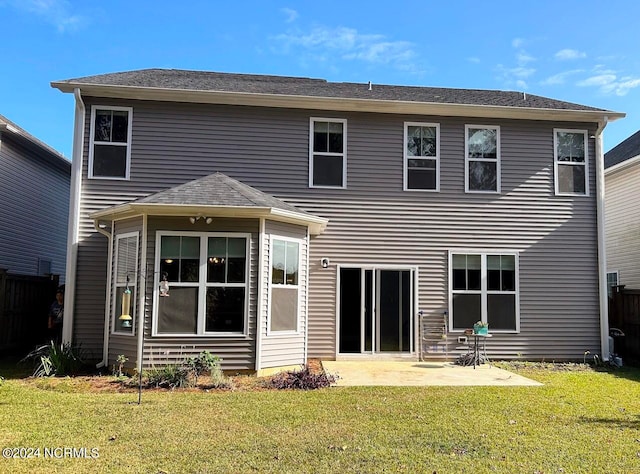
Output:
x=107 y=306
x=74 y=219
x=261 y=298
x=602 y=253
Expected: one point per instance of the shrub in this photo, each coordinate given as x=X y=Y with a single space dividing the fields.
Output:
x=186 y=374
x=168 y=376
x=56 y=359
x=303 y=379
x=204 y=363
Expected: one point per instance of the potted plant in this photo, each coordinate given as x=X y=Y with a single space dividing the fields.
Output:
x=481 y=328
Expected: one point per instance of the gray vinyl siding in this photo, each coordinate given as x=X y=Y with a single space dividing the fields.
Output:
x=119 y=343
x=236 y=352
x=282 y=350
x=34 y=209
x=622 y=209
x=374 y=221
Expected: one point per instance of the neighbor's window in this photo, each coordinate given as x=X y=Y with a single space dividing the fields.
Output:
x=482 y=158
x=207 y=276
x=571 y=167
x=110 y=147
x=125 y=266
x=285 y=265
x=421 y=156
x=328 y=153
x=612 y=280
x=484 y=288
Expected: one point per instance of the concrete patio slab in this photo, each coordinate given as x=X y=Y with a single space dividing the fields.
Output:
x=404 y=373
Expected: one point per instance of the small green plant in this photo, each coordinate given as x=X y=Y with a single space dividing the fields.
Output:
x=120 y=360
x=204 y=363
x=56 y=359
x=303 y=379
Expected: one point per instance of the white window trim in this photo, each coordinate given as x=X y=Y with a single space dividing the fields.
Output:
x=617 y=274
x=483 y=286
x=133 y=283
x=272 y=285
x=556 y=162
x=497 y=160
x=407 y=157
x=312 y=121
x=92 y=142
x=201 y=285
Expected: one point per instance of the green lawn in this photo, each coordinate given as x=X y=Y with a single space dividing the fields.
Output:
x=583 y=421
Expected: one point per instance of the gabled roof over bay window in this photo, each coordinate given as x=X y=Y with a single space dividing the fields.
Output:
x=216 y=195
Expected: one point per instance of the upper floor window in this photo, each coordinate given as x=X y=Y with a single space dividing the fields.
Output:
x=571 y=167
x=482 y=159
x=328 y=153
x=422 y=156
x=110 y=142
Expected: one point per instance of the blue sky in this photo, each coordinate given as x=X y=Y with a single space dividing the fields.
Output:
x=581 y=51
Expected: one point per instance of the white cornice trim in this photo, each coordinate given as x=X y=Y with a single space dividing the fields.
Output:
x=628 y=163
x=316 y=224
x=335 y=103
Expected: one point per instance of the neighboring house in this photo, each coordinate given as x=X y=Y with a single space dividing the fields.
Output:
x=622 y=178
x=295 y=218
x=34 y=204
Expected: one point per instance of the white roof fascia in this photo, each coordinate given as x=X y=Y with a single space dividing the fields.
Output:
x=623 y=165
x=337 y=103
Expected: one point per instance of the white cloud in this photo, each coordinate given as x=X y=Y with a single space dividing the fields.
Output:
x=474 y=60
x=515 y=76
x=560 y=78
x=609 y=83
x=567 y=54
x=523 y=57
x=517 y=42
x=291 y=14
x=56 y=12
x=349 y=44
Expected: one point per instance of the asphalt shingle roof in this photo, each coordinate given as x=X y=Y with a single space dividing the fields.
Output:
x=217 y=190
x=298 y=86
x=626 y=149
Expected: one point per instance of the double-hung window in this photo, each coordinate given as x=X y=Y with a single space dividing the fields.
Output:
x=328 y=153
x=124 y=276
x=484 y=287
x=570 y=162
x=285 y=292
x=422 y=156
x=482 y=159
x=110 y=142
x=208 y=281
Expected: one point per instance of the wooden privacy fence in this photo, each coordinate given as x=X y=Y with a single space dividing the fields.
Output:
x=24 y=306
x=624 y=314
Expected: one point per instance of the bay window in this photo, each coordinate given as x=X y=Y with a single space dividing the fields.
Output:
x=285 y=265
x=208 y=280
x=124 y=276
